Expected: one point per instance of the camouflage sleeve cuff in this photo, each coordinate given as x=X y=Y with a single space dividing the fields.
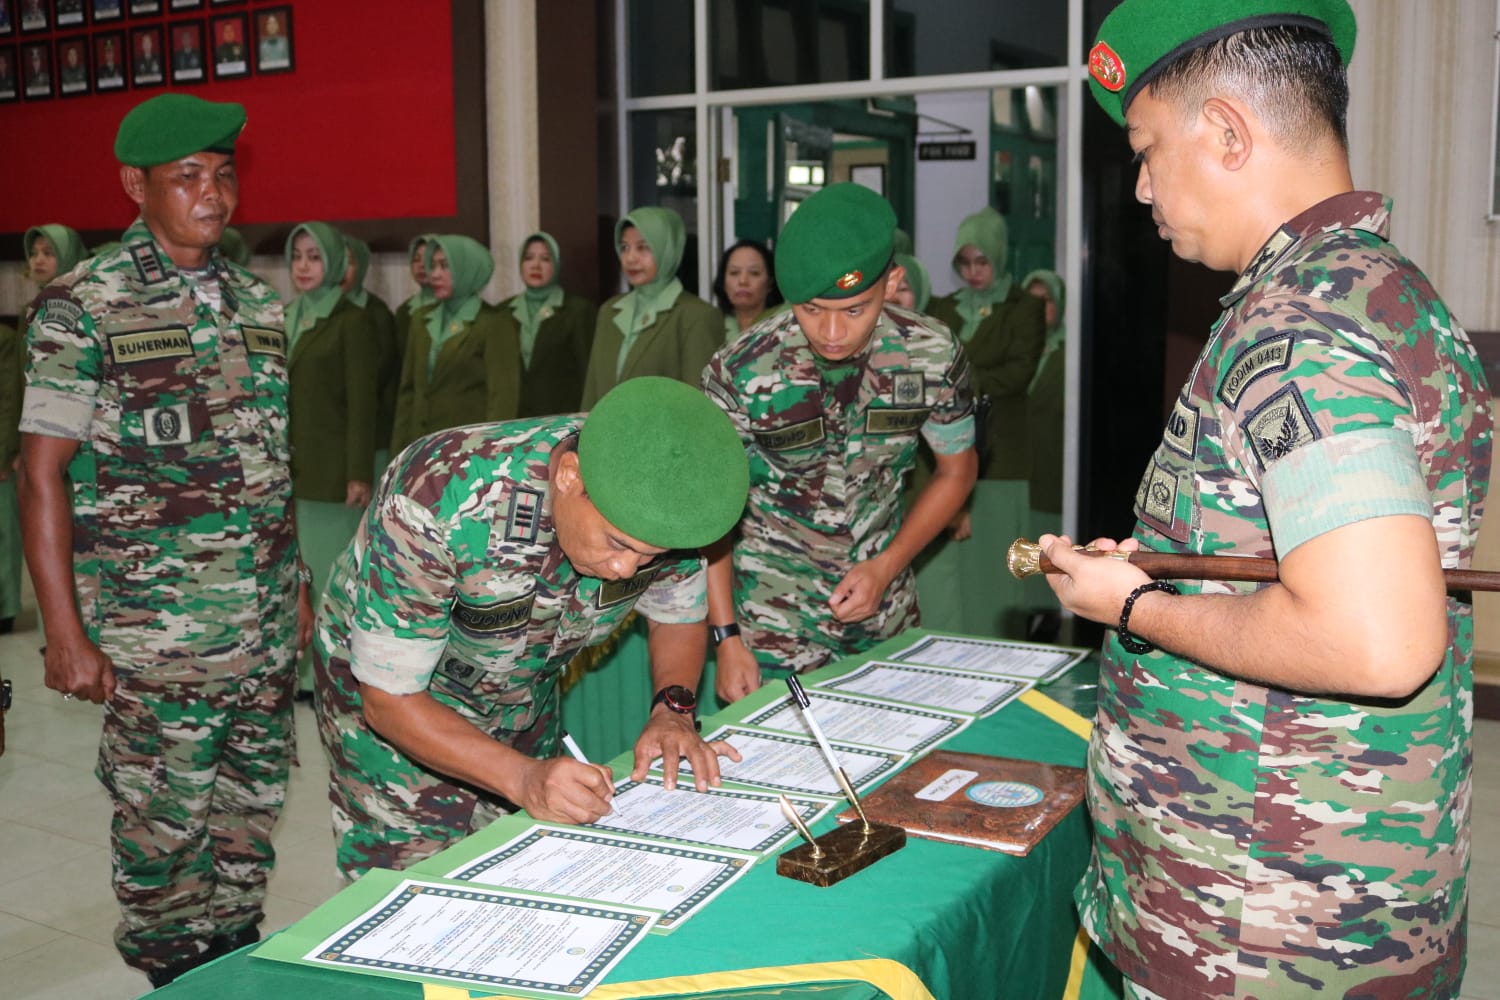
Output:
x=677 y=597
x=949 y=439
x=1342 y=479
x=392 y=664
x=52 y=413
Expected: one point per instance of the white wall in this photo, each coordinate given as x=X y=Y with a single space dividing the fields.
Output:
x=949 y=190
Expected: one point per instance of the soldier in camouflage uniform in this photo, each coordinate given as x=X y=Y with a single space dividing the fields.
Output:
x=157 y=507
x=1281 y=792
x=829 y=399
x=479 y=572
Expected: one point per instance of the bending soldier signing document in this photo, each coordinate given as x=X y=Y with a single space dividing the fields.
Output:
x=1280 y=774
x=156 y=498
x=490 y=555
x=829 y=399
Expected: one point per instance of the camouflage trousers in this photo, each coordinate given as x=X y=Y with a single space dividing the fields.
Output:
x=197 y=773
x=388 y=810
x=781 y=606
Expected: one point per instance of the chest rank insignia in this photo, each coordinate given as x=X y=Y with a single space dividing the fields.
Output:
x=524 y=518
x=147 y=263
x=849 y=280
x=907 y=388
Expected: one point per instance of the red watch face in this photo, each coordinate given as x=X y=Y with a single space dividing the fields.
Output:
x=680 y=699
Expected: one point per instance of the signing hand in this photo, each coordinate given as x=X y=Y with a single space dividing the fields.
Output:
x=564 y=790
x=860 y=592
x=1088 y=585
x=671 y=736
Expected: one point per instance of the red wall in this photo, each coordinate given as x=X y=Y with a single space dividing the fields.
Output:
x=363 y=129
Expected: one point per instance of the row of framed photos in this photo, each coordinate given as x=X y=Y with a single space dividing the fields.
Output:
x=102 y=62
x=45 y=15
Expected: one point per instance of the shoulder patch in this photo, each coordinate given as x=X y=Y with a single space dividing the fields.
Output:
x=792 y=436
x=1273 y=354
x=60 y=308
x=264 y=340
x=1156 y=500
x=908 y=388
x=148 y=265
x=136 y=346
x=1280 y=425
x=1181 y=434
x=523 y=521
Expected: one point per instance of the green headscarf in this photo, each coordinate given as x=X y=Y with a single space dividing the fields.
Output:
x=361 y=251
x=233 y=246
x=308 y=309
x=903 y=243
x=1057 y=333
x=664 y=233
x=986 y=230
x=423 y=295
x=67 y=245
x=534 y=305
x=916 y=276
x=472 y=267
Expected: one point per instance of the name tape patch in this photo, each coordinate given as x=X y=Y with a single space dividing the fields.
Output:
x=791 y=436
x=1271 y=355
x=150 y=345
x=886 y=421
x=612 y=592
x=264 y=340
x=495 y=617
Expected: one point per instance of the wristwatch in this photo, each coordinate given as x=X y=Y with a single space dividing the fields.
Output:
x=304 y=574
x=718 y=633
x=678 y=699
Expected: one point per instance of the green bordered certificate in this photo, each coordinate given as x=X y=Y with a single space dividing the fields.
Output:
x=852 y=719
x=676 y=880
x=468 y=935
x=734 y=818
x=787 y=762
x=939 y=687
x=1031 y=661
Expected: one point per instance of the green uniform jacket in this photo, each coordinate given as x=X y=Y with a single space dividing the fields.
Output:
x=678 y=345
x=1003 y=352
x=12 y=384
x=387 y=365
x=332 y=380
x=1044 y=432
x=553 y=382
x=477 y=377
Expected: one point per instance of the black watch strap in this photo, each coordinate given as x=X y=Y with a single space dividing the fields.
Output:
x=718 y=633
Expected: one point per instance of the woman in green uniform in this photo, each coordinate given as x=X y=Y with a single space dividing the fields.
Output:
x=915 y=289
x=331 y=377
x=656 y=328
x=1002 y=330
x=554 y=331
x=383 y=338
x=461 y=363
x=745 y=289
x=416 y=256
x=51 y=250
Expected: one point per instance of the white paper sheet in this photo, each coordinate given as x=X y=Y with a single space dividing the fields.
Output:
x=737 y=819
x=939 y=687
x=787 y=762
x=852 y=719
x=992 y=656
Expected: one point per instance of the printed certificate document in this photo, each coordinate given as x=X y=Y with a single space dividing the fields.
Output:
x=468 y=935
x=992 y=656
x=674 y=879
x=733 y=818
x=786 y=762
x=914 y=684
x=852 y=719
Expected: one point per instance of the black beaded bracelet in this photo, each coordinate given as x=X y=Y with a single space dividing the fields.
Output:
x=1130 y=642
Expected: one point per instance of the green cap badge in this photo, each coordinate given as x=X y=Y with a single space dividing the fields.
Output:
x=1140 y=38
x=662 y=463
x=171 y=126
x=836 y=244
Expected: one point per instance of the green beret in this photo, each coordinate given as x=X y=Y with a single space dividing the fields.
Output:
x=170 y=126
x=1141 y=38
x=662 y=463
x=836 y=244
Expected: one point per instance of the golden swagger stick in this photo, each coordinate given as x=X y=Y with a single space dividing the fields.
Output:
x=1025 y=558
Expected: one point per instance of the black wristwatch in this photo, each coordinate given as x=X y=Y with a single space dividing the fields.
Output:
x=718 y=633
x=678 y=699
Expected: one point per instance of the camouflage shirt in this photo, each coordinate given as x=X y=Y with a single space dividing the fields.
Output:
x=1252 y=841
x=828 y=444
x=174 y=382
x=455 y=583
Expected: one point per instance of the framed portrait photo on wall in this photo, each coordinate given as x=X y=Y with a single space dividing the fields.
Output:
x=34 y=15
x=231 y=51
x=109 y=61
x=106 y=11
x=69 y=13
x=73 y=66
x=187 y=52
x=273 y=40
x=146 y=57
x=10 y=75
x=36 y=71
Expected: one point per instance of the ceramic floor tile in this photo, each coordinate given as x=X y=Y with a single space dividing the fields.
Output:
x=29 y=785
x=66 y=896
x=71 y=968
x=26 y=849
x=85 y=818
x=283 y=911
x=1482 y=978
x=18 y=936
x=59 y=731
x=305 y=870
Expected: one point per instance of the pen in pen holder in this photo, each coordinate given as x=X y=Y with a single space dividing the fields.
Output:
x=842 y=851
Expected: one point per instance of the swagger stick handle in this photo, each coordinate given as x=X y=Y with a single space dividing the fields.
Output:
x=1025 y=558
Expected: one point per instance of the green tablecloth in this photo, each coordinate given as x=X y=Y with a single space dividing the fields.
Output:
x=967 y=922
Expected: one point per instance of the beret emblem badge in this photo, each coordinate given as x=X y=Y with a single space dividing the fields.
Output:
x=1106 y=67
x=849 y=280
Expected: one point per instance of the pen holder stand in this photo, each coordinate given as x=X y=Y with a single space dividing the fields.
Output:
x=845 y=849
